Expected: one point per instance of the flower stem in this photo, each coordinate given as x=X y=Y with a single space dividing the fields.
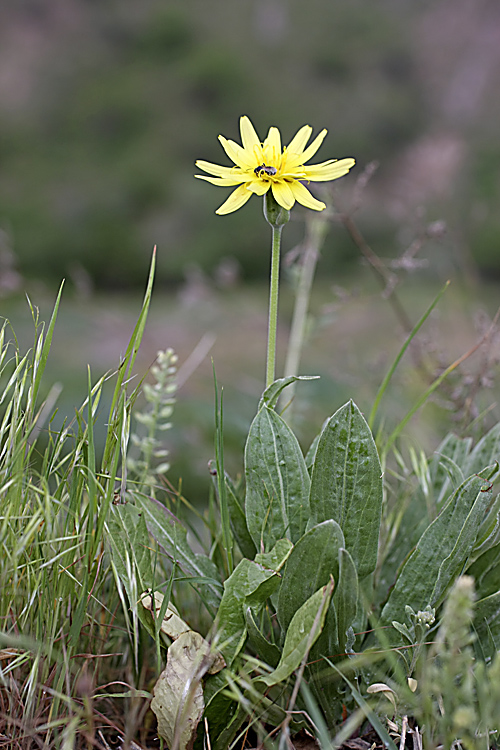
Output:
x=273 y=307
x=276 y=216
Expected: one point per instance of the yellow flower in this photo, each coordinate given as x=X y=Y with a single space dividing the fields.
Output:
x=260 y=166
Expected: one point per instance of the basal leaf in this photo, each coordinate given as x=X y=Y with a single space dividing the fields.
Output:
x=303 y=631
x=220 y=711
x=277 y=557
x=346 y=484
x=266 y=651
x=441 y=552
x=453 y=564
x=486 y=572
x=277 y=492
x=172 y=536
x=238 y=520
x=456 y=449
x=130 y=545
x=487 y=619
x=485 y=453
x=250 y=584
x=311 y=564
x=345 y=597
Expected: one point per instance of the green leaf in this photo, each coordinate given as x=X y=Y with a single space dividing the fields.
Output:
x=485 y=453
x=277 y=557
x=130 y=545
x=277 y=481
x=273 y=391
x=346 y=484
x=327 y=646
x=489 y=533
x=304 y=629
x=464 y=542
x=266 y=651
x=220 y=709
x=345 y=597
x=311 y=564
x=487 y=619
x=250 y=584
x=485 y=571
x=311 y=453
x=441 y=552
x=455 y=449
x=238 y=520
x=172 y=536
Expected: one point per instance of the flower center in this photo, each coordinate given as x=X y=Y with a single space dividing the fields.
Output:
x=265 y=171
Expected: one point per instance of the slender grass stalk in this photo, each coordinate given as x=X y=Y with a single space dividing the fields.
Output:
x=401 y=352
x=221 y=483
x=317 y=228
x=433 y=386
x=125 y=369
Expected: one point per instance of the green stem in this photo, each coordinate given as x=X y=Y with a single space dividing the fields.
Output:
x=276 y=216
x=273 y=307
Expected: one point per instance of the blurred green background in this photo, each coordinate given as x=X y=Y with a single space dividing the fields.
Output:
x=104 y=107
x=106 y=104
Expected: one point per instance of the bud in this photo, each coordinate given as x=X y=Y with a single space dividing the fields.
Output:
x=275 y=214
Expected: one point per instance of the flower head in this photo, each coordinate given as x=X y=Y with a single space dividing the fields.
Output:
x=260 y=166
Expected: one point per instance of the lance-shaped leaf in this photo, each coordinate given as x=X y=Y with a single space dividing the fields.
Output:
x=130 y=545
x=266 y=651
x=442 y=551
x=345 y=597
x=485 y=453
x=250 y=584
x=346 y=484
x=277 y=496
x=172 y=536
x=452 y=452
x=304 y=629
x=221 y=712
x=238 y=520
x=464 y=542
x=486 y=572
x=312 y=563
x=487 y=621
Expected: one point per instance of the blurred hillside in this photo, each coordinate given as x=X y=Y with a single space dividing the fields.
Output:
x=104 y=107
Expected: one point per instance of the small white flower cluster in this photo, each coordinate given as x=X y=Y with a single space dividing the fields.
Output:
x=155 y=419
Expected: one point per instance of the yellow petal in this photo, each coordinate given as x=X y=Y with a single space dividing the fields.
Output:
x=216 y=169
x=299 y=140
x=272 y=148
x=297 y=159
x=303 y=196
x=329 y=170
x=259 y=187
x=249 y=137
x=237 y=154
x=222 y=181
x=283 y=194
x=236 y=200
